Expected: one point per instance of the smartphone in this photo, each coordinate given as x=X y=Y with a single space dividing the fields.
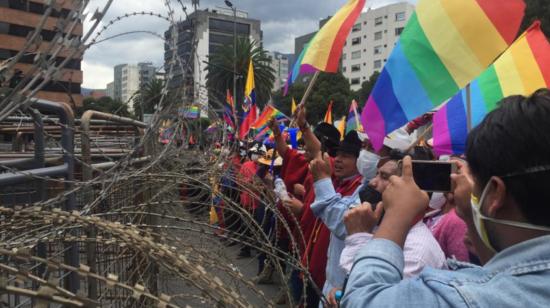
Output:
x=433 y=176
x=370 y=195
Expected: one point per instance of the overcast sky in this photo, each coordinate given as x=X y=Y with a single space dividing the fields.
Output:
x=281 y=22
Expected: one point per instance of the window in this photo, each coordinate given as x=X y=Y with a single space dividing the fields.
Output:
x=400 y=16
x=378 y=21
x=356 y=68
x=377 y=50
x=356 y=54
x=398 y=31
x=378 y=35
x=377 y=64
x=344 y=69
x=356 y=27
x=355 y=81
x=355 y=41
x=343 y=56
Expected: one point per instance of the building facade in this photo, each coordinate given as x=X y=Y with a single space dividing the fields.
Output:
x=17 y=20
x=201 y=35
x=110 y=91
x=280 y=64
x=129 y=79
x=372 y=40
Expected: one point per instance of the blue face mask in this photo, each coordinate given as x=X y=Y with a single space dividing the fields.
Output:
x=479 y=218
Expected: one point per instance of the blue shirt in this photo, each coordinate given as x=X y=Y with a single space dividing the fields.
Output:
x=518 y=276
x=330 y=207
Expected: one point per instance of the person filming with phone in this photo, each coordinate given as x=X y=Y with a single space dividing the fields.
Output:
x=503 y=202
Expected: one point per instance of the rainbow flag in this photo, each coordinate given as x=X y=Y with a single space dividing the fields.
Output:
x=298 y=69
x=446 y=44
x=192 y=112
x=249 y=88
x=269 y=112
x=521 y=70
x=325 y=49
x=328 y=115
x=353 y=119
x=228 y=114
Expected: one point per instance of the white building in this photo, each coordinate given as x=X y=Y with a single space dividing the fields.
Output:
x=371 y=41
x=129 y=79
x=110 y=90
x=279 y=63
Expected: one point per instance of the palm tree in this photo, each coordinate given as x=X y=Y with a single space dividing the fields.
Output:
x=148 y=97
x=220 y=71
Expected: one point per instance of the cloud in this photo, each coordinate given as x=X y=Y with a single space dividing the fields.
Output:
x=280 y=22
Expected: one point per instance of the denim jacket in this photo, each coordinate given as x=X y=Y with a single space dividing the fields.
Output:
x=331 y=207
x=518 y=276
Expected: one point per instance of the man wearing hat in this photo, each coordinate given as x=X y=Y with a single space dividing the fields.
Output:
x=347 y=180
x=295 y=170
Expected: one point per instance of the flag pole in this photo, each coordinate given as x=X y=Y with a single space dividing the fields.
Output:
x=469 y=107
x=305 y=97
x=309 y=88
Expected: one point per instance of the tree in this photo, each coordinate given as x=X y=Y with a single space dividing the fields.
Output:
x=149 y=97
x=537 y=9
x=366 y=88
x=220 y=71
x=329 y=87
x=104 y=104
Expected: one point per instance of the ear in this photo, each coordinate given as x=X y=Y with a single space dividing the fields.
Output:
x=496 y=196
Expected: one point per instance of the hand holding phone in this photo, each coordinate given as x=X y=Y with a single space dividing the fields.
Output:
x=433 y=176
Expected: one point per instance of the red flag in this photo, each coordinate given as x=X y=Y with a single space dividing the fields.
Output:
x=248 y=120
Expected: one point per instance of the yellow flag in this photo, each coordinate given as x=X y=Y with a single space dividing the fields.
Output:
x=342 y=127
x=293 y=108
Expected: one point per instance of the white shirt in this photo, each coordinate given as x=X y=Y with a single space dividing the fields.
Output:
x=420 y=250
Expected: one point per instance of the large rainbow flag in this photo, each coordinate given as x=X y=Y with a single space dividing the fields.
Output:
x=324 y=50
x=445 y=45
x=521 y=70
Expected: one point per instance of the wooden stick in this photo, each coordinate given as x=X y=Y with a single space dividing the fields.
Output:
x=309 y=88
x=424 y=134
x=305 y=97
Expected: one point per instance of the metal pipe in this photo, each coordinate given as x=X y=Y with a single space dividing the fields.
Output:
x=109 y=164
x=66 y=118
x=13 y=178
x=87 y=174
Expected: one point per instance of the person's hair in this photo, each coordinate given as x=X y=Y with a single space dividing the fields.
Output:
x=511 y=140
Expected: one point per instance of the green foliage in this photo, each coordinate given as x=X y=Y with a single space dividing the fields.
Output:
x=329 y=87
x=284 y=103
x=104 y=104
x=366 y=89
x=537 y=9
x=149 y=97
x=220 y=71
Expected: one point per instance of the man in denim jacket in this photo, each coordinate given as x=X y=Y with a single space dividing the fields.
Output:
x=504 y=203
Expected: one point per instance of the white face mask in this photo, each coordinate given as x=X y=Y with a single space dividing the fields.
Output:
x=254 y=157
x=437 y=201
x=366 y=164
x=479 y=218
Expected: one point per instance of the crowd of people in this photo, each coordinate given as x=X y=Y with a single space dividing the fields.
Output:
x=370 y=237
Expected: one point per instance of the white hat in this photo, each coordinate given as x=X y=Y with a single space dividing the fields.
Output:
x=362 y=136
x=399 y=139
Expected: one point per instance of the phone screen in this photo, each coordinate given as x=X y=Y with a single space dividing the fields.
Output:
x=430 y=176
x=370 y=195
